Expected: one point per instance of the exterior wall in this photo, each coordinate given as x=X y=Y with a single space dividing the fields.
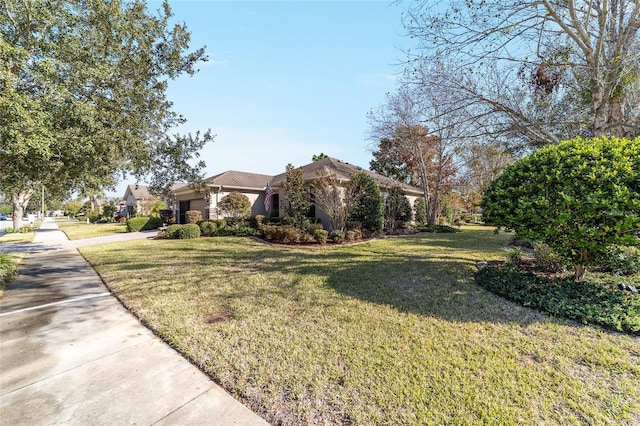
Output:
x=194 y=204
x=200 y=205
x=256 y=199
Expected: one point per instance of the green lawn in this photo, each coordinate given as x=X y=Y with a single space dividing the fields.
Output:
x=78 y=230
x=393 y=331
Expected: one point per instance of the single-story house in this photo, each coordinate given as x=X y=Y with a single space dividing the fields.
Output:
x=206 y=200
x=255 y=187
x=135 y=197
x=342 y=172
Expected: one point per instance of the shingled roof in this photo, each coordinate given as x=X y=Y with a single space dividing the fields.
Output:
x=139 y=192
x=342 y=171
x=232 y=179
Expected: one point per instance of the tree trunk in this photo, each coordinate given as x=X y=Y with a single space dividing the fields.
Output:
x=580 y=272
x=581 y=267
x=20 y=201
x=616 y=122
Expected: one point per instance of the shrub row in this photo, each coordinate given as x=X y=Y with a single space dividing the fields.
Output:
x=25 y=229
x=439 y=229
x=136 y=224
x=220 y=228
x=288 y=234
x=587 y=302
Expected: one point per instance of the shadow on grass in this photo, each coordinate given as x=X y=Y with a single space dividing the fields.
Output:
x=430 y=276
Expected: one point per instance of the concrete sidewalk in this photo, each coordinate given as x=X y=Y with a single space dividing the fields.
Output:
x=71 y=354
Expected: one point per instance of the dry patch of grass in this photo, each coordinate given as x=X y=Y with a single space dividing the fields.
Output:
x=393 y=331
x=77 y=230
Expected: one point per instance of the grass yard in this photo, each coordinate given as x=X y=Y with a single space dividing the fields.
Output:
x=393 y=331
x=78 y=230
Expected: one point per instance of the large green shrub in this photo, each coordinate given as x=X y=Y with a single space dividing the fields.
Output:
x=235 y=206
x=208 y=228
x=370 y=209
x=397 y=209
x=420 y=210
x=182 y=232
x=136 y=224
x=579 y=197
x=298 y=197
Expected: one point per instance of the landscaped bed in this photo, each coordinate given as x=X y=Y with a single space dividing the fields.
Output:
x=392 y=331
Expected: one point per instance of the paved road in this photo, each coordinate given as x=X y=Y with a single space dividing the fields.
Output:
x=71 y=354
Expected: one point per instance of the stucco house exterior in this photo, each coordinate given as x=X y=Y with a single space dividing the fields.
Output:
x=254 y=186
x=134 y=198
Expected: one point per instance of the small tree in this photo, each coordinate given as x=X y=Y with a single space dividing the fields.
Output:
x=370 y=209
x=396 y=209
x=420 y=210
x=298 y=197
x=579 y=197
x=235 y=206
x=72 y=207
x=335 y=199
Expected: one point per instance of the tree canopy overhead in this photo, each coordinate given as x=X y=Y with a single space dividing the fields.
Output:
x=541 y=71
x=83 y=96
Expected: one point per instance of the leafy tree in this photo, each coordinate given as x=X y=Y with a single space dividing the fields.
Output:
x=370 y=209
x=412 y=152
x=72 y=207
x=579 y=197
x=297 y=196
x=396 y=209
x=337 y=199
x=151 y=207
x=110 y=208
x=318 y=157
x=83 y=97
x=235 y=206
x=538 y=71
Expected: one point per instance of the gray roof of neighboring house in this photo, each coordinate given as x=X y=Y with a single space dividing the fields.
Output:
x=139 y=192
x=233 y=179
x=342 y=171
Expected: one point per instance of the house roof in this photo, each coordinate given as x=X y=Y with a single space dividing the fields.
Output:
x=139 y=192
x=342 y=171
x=233 y=179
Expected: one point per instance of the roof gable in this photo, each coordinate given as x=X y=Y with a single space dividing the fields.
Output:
x=343 y=171
x=139 y=192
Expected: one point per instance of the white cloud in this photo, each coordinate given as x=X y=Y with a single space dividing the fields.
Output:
x=378 y=80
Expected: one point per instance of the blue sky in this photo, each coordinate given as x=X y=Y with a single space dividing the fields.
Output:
x=286 y=79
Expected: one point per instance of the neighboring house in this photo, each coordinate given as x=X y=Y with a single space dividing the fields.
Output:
x=135 y=198
x=254 y=187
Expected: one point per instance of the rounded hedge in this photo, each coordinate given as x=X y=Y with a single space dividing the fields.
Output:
x=579 y=197
x=136 y=224
x=182 y=232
